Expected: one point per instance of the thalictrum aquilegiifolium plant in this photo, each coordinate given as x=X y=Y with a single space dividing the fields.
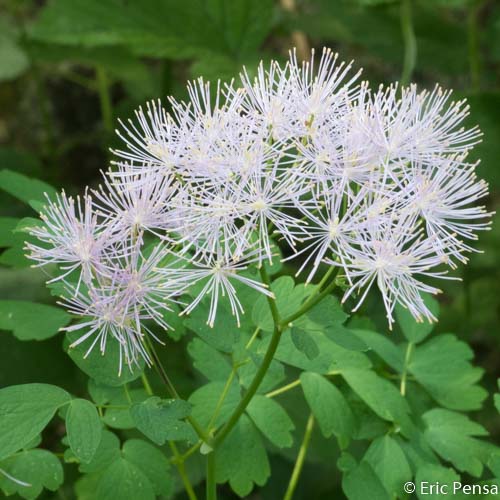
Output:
x=364 y=192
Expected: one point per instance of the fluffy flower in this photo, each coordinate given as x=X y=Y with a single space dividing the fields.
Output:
x=218 y=271
x=375 y=183
x=71 y=236
x=396 y=257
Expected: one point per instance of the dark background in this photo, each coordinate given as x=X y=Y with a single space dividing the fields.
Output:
x=69 y=68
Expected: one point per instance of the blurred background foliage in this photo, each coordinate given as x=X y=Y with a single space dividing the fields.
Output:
x=69 y=68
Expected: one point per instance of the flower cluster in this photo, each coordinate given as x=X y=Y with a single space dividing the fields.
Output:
x=376 y=183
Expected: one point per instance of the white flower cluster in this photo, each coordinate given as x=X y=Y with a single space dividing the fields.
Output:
x=376 y=183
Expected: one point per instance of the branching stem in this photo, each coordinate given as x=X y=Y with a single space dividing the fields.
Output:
x=299 y=463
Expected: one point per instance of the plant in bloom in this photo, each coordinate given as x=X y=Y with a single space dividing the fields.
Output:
x=375 y=183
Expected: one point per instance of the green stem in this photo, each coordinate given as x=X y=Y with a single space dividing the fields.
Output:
x=271 y=300
x=161 y=371
x=127 y=393
x=146 y=384
x=261 y=372
x=410 y=42
x=49 y=141
x=404 y=375
x=283 y=389
x=179 y=459
x=171 y=389
x=191 y=450
x=279 y=327
x=252 y=338
x=182 y=472
x=293 y=384
x=252 y=389
x=104 y=99
x=211 y=484
x=312 y=300
x=222 y=398
x=473 y=45
x=326 y=277
x=299 y=463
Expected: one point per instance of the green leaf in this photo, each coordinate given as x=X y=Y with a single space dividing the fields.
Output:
x=30 y=321
x=139 y=470
x=288 y=300
x=13 y=59
x=124 y=480
x=274 y=376
x=362 y=483
x=390 y=464
x=222 y=336
x=120 y=64
x=345 y=338
x=272 y=420
x=417 y=331
x=25 y=410
x=382 y=346
x=152 y=463
x=331 y=355
x=159 y=28
x=107 y=452
x=102 y=368
x=450 y=434
x=328 y=313
x=431 y=474
x=418 y=451
x=304 y=342
x=328 y=405
x=379 y=394
x=442 y=366
x=209 y=361
x=15 y=255
x=7 y=226
x=84 y=429
x=206 y=398
x=120 y=417
x=161 y=420
x=86 y=486
x=242 y=459
x=102 y=394
x=328 y=317
x=38 y=468
x=24 y=188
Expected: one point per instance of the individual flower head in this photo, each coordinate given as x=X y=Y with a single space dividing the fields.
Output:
x=118 y=305
x=222 y=147
x=242 y=210
x=107 y=315
x=154 y=139
x=71 y=236
x=217 y=272
x=340 y=151
x=422 y=126
x=136 y=203
x=332 y=219
x=267 y=97
x=294 y=101
x=146 y=292
x=263 y=200
x=445 y=195
x=322 y=94
x=396 y=255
